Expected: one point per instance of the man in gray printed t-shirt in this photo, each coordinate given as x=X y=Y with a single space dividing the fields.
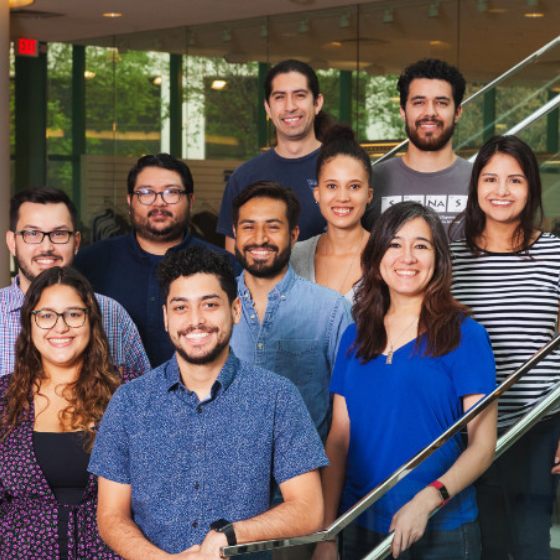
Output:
x=429 y=172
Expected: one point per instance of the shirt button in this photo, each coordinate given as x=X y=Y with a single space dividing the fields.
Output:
x=195 y=524
x=253 y=316
x=197 y=448
x=152 y=299
x=199 y=409
x=196 y=486
x=260 y=345
x=282 y=297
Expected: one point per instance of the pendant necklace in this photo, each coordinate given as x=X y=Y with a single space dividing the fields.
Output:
x=359 y=250
x=389 y=358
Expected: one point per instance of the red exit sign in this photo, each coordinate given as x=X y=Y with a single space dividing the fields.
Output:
x=27 y=47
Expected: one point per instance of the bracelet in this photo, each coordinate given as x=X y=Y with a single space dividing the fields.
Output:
x=443 y=493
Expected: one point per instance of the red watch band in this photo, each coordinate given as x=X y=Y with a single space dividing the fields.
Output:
x=444 y=494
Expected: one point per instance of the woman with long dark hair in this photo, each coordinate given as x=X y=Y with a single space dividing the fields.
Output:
x=508 y=272
x=50 y=407
x=333 y=259
x=409 y=367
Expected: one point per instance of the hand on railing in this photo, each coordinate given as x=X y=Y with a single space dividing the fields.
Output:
x=326 y=550
x=409 y=523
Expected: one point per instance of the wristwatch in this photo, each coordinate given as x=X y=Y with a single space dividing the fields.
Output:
x=443 y=493
x=225 y=527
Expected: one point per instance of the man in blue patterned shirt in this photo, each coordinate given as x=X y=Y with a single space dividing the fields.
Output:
x=44 y=233
x=187 y=455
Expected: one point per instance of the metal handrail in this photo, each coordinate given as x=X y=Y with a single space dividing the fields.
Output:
x=490 y=85
x=346 y=518
x=528 y=121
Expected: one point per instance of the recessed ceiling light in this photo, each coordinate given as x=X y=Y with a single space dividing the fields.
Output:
x=20 y=3
x=336 y=44
x=218 y=84
x=112 y=14
x=534 y=15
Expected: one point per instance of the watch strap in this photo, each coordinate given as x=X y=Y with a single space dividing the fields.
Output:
x=225 y=527
x=443 y=493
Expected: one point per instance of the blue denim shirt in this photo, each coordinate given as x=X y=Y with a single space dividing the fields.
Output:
x=192 y=462
x=298 y=338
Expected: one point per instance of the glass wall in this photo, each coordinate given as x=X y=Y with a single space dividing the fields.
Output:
x=197 y=92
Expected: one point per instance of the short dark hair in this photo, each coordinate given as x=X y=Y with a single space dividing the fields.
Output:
x=340 y=140
x=196 y=260
x=41 y=195
x=432 y=69
x=269 y=189
x=474 y=219
x=164 y=161
x=292 y=65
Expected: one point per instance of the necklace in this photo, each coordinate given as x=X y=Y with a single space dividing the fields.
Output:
x=389 y=359
x=358 y=251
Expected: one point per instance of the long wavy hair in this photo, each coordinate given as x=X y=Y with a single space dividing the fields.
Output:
x=440 y=316
x=89 y=395
x=473 y=218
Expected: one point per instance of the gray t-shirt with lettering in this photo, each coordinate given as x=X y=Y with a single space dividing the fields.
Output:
x=445 y=191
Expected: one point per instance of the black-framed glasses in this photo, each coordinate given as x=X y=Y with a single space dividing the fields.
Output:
x=169 y=196
x=74 y=317
x=34 y=236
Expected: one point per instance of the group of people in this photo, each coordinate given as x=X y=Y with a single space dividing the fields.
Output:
x=355 y=314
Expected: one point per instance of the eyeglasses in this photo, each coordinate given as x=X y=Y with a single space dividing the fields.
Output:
x=34 y=236
x=169 y=196
x=74 y=317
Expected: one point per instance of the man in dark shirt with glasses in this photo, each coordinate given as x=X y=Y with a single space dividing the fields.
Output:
x=160 y=197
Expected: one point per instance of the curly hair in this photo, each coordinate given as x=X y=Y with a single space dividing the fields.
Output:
x=89 y=395
x=441 y=314
x=432 y=69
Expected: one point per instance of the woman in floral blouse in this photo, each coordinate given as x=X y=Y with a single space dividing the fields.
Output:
x=50 y=407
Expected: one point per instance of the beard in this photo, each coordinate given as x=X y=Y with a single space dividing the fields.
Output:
x=174 y=230
x=25 y=270
x=260 y=269
x=432 y=142
x=210 y=356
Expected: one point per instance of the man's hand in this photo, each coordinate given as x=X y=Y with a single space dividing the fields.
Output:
x=556 y=468
x=192 y=553
x=212 y=544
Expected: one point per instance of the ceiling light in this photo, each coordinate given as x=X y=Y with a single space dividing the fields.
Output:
x=88 y=75
x=344 y=21
x=482 y=6
x=303 y=26
x=534 y=15
x=433 y=10
x=20 y=3
x=218 y=84
x=335 y=44
x=436 y=43
x=157 y=81
x=226 y=35
x=112 y=14
x=388 y=15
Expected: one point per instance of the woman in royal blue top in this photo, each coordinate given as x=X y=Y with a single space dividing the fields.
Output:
x=407 y=370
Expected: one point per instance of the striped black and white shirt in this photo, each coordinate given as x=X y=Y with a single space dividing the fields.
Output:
x=515 y=296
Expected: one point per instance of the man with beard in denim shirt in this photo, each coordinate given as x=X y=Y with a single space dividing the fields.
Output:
x=289 y=325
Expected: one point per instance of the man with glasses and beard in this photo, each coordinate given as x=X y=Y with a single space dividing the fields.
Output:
x=160 y=197
x=431 y=93
x=288 y=325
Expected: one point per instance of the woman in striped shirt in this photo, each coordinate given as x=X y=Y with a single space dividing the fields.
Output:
x=508 y=272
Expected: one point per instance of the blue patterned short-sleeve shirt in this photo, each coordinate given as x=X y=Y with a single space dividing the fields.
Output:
x=190 y=463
